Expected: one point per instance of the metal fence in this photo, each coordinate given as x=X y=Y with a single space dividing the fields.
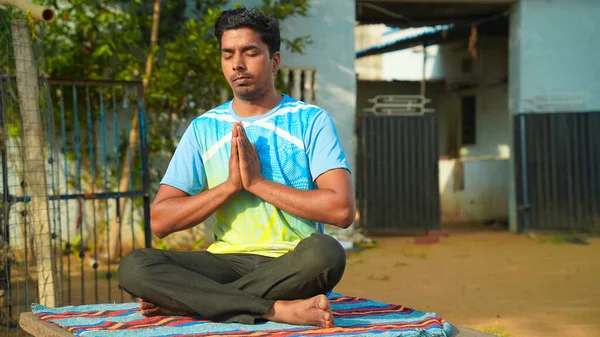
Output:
x=95 y=165
x=397 y=173
x=114 y=167
x=558 y=171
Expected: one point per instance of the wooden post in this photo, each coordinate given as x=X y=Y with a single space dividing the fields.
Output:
x=35 y=171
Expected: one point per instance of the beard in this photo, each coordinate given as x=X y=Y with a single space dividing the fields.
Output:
x=249 y=92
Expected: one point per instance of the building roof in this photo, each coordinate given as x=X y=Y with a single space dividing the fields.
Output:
x=416 y=37
x=420 y=13
x=427 y=36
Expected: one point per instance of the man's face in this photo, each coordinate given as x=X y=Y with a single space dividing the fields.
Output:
x=246 y=63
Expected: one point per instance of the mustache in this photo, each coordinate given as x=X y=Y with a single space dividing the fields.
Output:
x=236 y=76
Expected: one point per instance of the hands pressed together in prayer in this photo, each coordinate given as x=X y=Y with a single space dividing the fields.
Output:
x=244 y=166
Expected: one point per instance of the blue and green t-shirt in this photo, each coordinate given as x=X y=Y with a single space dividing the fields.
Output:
x=296 y=143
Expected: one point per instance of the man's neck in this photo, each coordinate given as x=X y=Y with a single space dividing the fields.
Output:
x=256 y=108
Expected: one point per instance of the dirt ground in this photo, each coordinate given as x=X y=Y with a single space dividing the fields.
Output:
x=506 y=284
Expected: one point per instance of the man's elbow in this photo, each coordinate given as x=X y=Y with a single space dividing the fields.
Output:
x=345 y=217
x=157 y=229
x=157 y=226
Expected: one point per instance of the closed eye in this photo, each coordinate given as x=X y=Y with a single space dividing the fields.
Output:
x=251 y=50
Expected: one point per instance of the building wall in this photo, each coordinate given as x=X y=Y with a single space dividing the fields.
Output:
x=473 y=191
x=554 y=56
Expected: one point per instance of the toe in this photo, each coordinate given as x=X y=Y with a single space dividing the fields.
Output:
x=327 y=321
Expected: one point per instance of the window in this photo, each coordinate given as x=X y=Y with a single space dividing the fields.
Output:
x=468 y=120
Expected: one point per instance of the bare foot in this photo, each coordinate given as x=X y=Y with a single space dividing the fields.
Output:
x=313 y=311
x=149 y=309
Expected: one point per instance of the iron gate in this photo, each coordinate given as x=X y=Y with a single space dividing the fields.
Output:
x=558 y=171
x=397 y=173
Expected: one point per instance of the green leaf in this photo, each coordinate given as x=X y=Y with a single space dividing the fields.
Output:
x=103 y=50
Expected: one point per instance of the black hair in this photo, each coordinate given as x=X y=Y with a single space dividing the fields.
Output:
x=267 y=27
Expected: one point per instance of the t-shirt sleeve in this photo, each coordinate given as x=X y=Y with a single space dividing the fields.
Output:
x=323 y=146
x=186 y=169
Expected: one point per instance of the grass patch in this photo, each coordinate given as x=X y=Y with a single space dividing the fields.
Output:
x=559 y=239
x=496 y=330
x=400 y=264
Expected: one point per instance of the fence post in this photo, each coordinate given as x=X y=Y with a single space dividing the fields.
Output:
x=35 y=170
x=145 y=174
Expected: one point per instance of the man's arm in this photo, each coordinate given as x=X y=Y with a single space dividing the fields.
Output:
x=174 y=210
x=332 y=203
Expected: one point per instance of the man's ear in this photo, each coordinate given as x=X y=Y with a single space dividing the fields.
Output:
x=276 y=61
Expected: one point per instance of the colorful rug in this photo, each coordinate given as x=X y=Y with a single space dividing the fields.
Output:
x=353 y=317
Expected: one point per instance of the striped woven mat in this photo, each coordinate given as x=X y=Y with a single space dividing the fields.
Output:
x=353 y=317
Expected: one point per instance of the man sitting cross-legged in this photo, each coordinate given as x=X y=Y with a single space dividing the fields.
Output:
x=272 y=171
